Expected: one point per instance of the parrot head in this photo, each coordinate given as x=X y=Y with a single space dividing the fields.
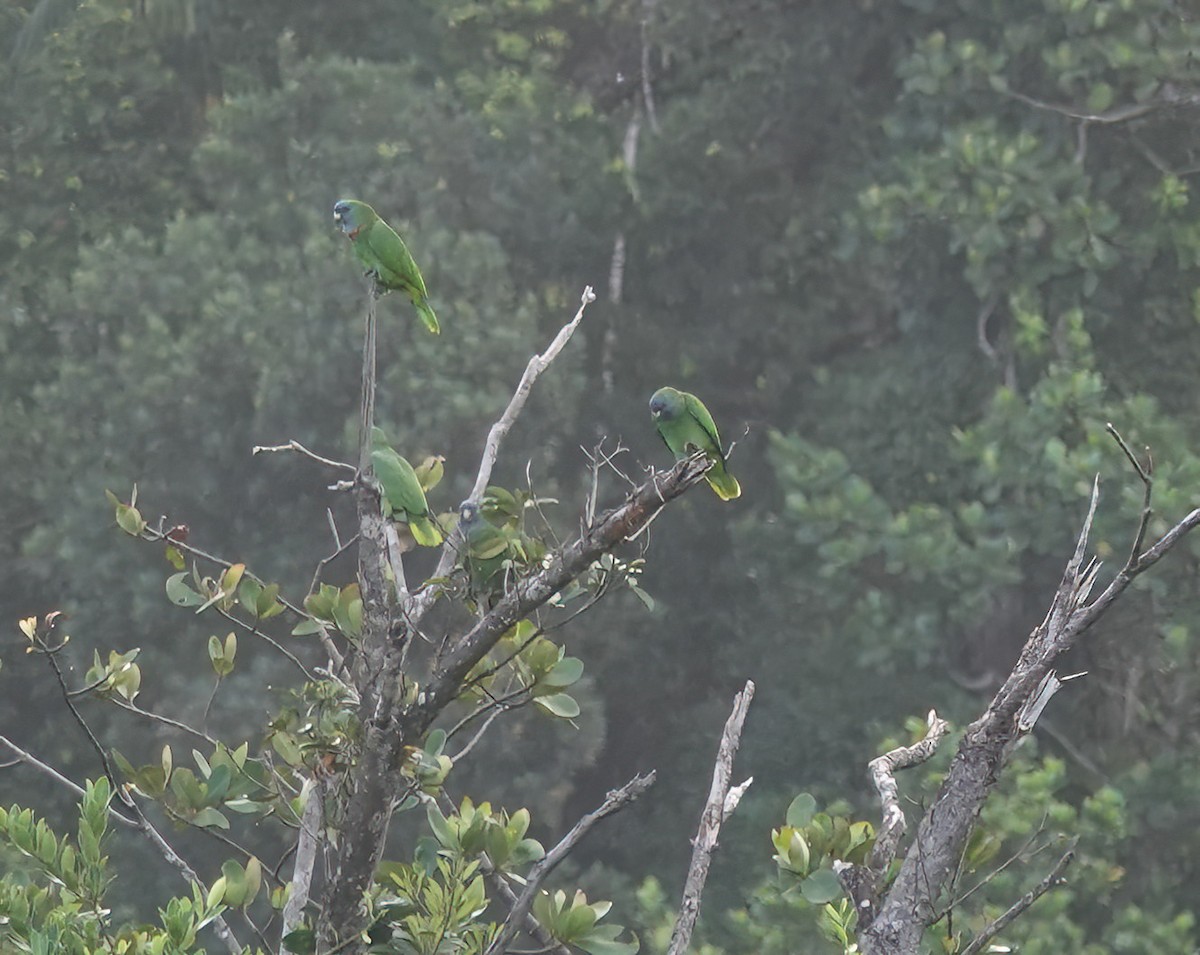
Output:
x=351 y=215
x=666 y=404
x=468 y=511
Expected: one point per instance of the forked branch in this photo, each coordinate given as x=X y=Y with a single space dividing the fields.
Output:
x=912 y=900
x=716 y=810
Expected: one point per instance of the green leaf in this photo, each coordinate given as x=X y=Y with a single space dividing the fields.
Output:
x=286 y=746
x=644 y=597
x=564 y=673
x=217 y=783
x=435 y=742
x=210 y=818
x=559 y=704
x=429 y=472
x=426 y=854
x=303 y=941
x=821 y=887
x=129 y=519
x=801 y=810
x=180 y=594
x=253 y=879
x=1100 y=98
x=441 y=827
x=601 y=941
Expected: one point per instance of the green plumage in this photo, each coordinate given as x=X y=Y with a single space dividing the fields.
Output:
x=403 y=497
x=384 y=255
x=686 y=427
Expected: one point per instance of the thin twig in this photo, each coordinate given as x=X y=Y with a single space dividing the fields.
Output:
x=462 y=753
x=616 y=800
x=715 y=811
x=255 y=632
x=220 y=926
x=165 y=720
x=537 y=364
x=419 y=602
x=294 y=445
x=158 y=535
x=1052 y=880
x=1119 y=114
x=30 y=760
x=339 y=548
x=1147 y=476
x=536 y=502
x=1022 y=853
x=51 y=658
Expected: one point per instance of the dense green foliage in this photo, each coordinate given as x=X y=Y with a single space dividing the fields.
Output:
x=924 y=251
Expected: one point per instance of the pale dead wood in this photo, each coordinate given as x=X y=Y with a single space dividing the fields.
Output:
x=912 y=901
x=308 y=839
x=716 y=810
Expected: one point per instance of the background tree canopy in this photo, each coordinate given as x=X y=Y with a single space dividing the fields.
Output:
x=913 y=255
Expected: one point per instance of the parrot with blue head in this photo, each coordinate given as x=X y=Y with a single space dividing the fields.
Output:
x=383 y=254
x=685 y=426
x=485 y=549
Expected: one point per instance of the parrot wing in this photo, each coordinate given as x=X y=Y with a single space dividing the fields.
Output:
x=699 y=414
x=399 y=481
x=387 y=246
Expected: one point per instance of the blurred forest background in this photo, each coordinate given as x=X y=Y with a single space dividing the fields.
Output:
x=913 y=255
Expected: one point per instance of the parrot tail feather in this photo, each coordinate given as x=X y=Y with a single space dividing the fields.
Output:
x=427 y=316
x=724 y=484
x=425 y=531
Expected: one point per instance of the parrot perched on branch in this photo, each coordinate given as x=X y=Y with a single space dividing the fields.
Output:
x=686 y=426
x=402 y=492
x=487 y=547
x=384 y=255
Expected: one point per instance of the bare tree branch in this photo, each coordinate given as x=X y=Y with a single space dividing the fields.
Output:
x=616 y=800
x=716 y=809
x=1053 y=879
x=416 y=606
x=883 y=775
x=296 y=446
x=307 y=841
x=158 y=718
x=30 y=760
x=537 y=364
x=220 y=926
x=1118 y=114
x=509 y=898
x=911 y=901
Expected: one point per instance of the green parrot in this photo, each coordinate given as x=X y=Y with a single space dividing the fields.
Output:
x=384 y=255
x=686 y=426
x=402 y=494
x=486 y=549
